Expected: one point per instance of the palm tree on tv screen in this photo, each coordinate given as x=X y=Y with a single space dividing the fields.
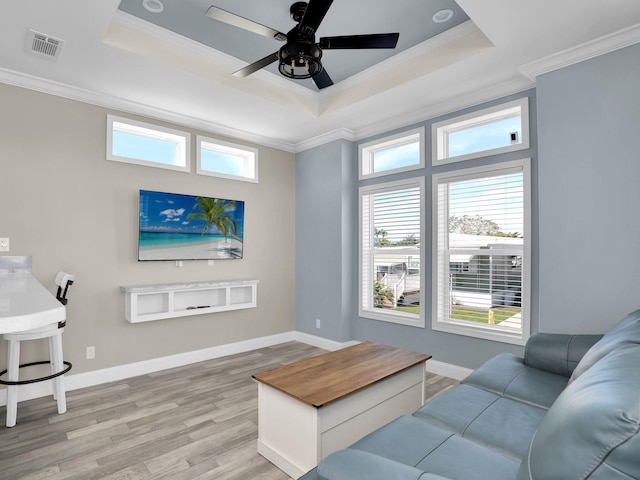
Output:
x=214 y=212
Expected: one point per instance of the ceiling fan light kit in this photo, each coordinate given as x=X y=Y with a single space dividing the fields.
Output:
x=300 y=60
x=300 y=57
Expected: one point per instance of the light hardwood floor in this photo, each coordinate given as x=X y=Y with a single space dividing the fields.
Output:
x=189 y=423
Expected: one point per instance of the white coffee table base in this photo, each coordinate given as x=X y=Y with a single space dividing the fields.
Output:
x=295 y=436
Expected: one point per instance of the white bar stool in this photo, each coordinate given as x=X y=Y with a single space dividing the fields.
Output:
x=58 y=366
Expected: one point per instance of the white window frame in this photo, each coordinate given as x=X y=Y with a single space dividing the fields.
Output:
x=367 y=150
x=365 y=288
x=248 y=154
x=181 y=139
x=440 y=131
x=479 y=330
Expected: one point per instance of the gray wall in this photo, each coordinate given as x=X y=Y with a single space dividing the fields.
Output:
x=326 y=213
x=320 y=173
x=589 y=127
x=71 y=209
x=585 y=219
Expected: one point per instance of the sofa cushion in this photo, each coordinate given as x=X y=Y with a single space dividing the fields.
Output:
x=456 y=408
x=593 y=429
x=627 y=331
x=507 y=375
x=417 y=443
x=502 y=424
x=405 y=440
x=557 y=353
x=352 y=464
x=461 y=459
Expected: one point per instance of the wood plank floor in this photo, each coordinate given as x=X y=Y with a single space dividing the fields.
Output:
x=189 y=423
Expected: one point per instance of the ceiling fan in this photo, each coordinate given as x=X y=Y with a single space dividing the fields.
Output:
x=300 y=57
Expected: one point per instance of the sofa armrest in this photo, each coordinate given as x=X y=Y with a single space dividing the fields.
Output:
x=351 y=464
x=557 y=353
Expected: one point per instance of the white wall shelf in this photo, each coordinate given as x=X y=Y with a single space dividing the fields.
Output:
x=144 y=303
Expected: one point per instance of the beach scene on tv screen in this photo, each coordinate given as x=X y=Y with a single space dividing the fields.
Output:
x=185 y=227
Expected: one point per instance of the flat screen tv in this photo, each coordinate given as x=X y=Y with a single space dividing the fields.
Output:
x=186 y=227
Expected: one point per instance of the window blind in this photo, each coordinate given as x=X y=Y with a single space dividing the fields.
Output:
x=481 y=238
x=391 y=232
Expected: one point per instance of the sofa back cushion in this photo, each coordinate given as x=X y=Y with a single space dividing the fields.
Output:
x=627 y=331
x=593 y=428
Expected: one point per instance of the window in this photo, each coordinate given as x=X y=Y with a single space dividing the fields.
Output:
x=398 y=153
x=499 y=129
x=482 y=252
x=226 y=160
x=141 y=143
x=391 y=226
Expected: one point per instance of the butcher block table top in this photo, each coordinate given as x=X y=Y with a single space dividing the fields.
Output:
x=320 y=380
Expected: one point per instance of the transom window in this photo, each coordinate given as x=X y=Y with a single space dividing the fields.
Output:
x=391 y=226
x=226 y=160
x=499 y=129
x=140 y=143
x=398 y=153
x=481 y=263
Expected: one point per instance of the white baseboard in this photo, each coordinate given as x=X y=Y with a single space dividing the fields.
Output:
x=320 y=342
x=113 y=374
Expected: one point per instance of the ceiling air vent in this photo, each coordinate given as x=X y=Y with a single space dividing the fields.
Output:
x=44 y=45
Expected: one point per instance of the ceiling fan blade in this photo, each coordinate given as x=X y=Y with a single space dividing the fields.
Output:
x=376 y=40
x=315 y=12
x=322 y=79
x=255 y=66
x=244 y=23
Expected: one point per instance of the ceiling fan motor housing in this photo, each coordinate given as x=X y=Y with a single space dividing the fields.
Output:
x=300 y=57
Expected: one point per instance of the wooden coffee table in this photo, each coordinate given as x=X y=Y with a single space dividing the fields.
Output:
x=311 y=408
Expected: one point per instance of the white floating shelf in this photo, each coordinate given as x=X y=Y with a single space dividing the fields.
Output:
x=144 y=303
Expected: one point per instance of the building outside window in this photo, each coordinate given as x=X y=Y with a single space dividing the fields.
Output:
x=481 y=245
x=391 y=216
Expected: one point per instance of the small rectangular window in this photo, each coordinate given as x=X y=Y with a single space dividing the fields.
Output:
x=500 y=129
x=398 y=153
x=139 y=143
x=226 y=160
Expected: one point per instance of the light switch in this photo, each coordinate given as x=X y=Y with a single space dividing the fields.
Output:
x=4 y=244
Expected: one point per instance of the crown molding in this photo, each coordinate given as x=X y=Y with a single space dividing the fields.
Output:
x=50 y=87
x=338 y=134
x=58 y=89
x=585 y=51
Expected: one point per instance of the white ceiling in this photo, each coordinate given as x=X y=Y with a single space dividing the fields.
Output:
x=115 y=59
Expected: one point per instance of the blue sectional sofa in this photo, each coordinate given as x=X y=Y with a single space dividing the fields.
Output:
x=568 y=410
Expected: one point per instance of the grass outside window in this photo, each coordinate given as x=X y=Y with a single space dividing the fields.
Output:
x=469 y=314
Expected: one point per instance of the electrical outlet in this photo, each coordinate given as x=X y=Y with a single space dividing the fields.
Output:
x=91 y=353
x=317 y=323
x=4 y=244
